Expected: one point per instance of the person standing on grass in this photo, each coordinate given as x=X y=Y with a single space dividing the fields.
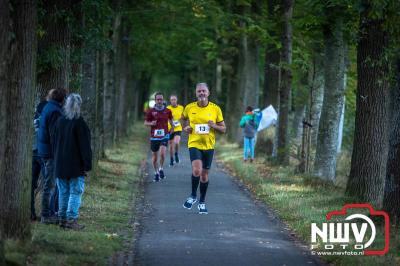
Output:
x=45 y=144
x=201 y=119
x=37 y=164
x=157 y=118
x=175 y=137
x=249 y=124
x=72 y=159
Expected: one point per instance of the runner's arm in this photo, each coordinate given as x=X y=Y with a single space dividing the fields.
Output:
x=185 y=125
x=220 y=126
x=171 y=122
x=149 y=123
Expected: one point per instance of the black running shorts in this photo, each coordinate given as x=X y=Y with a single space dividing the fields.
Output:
x=205 y=156
x=172 y=136
x=155 y=144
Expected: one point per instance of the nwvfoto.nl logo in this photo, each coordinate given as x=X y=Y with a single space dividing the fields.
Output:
x=349 y=234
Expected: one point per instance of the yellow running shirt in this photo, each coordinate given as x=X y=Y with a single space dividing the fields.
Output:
x=176 y=116
x=202 y=136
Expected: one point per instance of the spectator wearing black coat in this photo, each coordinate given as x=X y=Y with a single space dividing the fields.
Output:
x=51 y=111
x=72 y=159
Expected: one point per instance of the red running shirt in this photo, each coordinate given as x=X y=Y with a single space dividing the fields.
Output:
x=160 y=130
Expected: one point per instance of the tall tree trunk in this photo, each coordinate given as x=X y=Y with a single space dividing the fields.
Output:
x=55 y=43
x=2 y=252
x=297 y=124
x=248 y=71
x=286 y=84
x=271 y=68
x=137 y=104
x=233 y=101
x=109 y=99
x=122 y=75
x=17 y=83
x=248 y=60
x=341 y=125
x=77 y=42
x=328 y=131
x=370 y=152
x=252 y=74
x=271 y=77
x=316 y=78
x=391 y=201
x=89 y=93
x=4 y=53
x=99 y=105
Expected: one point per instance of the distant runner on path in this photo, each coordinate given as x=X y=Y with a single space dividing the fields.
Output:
x=158 y=118
x=204 y=118
x=175 y=137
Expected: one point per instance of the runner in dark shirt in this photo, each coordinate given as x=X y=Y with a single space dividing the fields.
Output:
x=158 y=118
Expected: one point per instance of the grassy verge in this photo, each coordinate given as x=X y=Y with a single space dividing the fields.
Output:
x=106 y=211
x=299 y=200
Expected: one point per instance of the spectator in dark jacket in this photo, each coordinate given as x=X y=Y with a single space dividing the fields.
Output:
x=73 y=159
x=36 y=160
x=49 y=115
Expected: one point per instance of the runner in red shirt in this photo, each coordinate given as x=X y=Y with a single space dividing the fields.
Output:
x=158 y=118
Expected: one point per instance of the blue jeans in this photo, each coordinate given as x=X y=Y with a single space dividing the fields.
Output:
x=49 y=195
x=249 y=145
x=70 y=194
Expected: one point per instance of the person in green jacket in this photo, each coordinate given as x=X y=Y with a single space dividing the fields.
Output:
x=249 y=125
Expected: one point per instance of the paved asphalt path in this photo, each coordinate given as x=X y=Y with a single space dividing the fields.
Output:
x=236 y=231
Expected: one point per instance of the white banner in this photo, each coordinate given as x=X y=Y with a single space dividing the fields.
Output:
x=268 y=118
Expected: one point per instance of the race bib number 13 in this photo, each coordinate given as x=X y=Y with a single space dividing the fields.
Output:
x=159 y=133
x=202 y=129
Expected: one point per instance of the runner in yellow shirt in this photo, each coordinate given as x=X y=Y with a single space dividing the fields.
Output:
x=201 y=119
x=175 y=137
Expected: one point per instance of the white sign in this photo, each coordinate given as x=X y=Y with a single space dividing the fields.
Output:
x=268 y=118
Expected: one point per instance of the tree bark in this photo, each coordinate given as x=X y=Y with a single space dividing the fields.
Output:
x=99 y=105
x=391 y=201
x=54 y=44
x=251 y=73
x=122 y=75
x=232 y=123
x=271 y=68
x=77 y=46
x=4 y=49
x=328 y=130
x=286 y=84
x=109 y=100
x=370 y=152
x=2 y=252
x=89 y=93
x=17 y=78
x=317 y=97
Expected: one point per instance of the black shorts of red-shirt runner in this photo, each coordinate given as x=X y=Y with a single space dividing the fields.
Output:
x=172 y=136
x=206 y=156
x=155 y=144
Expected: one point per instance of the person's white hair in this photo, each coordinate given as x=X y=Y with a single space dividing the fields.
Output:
x=201 y=84
x=72 y=106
